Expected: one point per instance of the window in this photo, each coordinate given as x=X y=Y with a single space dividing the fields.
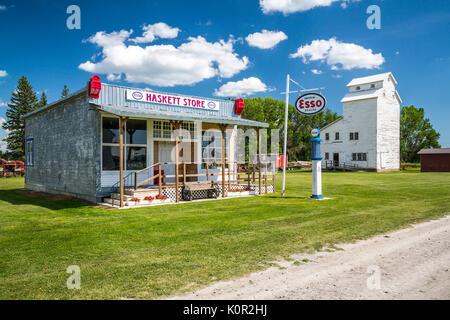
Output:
x=372 y=85
x=167 y=130
x=336 y=136
x=157 y=126
x=111 y=158
x=188 y=130
x=327 y=136
x=29 y=157
x=110 y=130
x=212 y=148
x=358 y=88
x=136 y=132
x=354 y=135
x=164 y=129
x=135 y=144
x=136 y=158
x=359 y=156
x=327 y=156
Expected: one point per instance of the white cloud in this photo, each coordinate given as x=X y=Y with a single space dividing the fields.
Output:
x=291 y=6
x=2 y=7
x=3 y=73
x=113 y=77
x=3 y=104
x=3 y=146
x=265 y=39
x=345 y=3
x=339 y=54
x=165 y=65
x=397 y=53
x=315 y=71
x=2 y=121
x=243 y=87
x=157 y=30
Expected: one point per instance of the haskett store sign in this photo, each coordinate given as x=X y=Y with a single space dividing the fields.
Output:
x=176 y=100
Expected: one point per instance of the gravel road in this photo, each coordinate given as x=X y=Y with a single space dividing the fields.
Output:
x=411 y=263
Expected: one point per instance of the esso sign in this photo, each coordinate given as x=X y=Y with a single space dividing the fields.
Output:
x=315 y=133
x=310 y=103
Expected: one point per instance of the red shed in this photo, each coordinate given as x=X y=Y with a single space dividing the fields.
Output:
x=437 y=160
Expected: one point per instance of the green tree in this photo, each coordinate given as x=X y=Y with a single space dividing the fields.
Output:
x=416 y=133
x=23 y=101
x=43 y=101
x=271 y=111
x=65 y=91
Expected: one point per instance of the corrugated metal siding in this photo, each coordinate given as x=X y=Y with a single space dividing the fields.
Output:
x=112 y=95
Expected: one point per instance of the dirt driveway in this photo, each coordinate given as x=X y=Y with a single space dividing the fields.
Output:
x=412 y=263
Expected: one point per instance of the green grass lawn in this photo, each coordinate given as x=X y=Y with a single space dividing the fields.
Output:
x=159 y=251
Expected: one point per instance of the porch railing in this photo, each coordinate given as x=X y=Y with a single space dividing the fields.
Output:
x=333 y=165
x=236 y=174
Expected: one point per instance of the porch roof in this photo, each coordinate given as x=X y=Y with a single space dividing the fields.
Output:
x=167 y=115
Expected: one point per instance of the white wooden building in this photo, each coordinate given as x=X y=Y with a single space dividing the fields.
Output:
x=368 y=133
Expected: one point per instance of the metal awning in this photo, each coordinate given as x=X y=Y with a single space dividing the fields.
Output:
x=156 y=114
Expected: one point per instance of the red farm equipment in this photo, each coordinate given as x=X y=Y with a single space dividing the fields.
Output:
x=11 y=168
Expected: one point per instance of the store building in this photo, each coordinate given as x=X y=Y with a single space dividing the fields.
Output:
x=106 y=138
x=367 y=136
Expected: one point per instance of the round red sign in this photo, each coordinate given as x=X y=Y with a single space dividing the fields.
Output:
x=310 y=103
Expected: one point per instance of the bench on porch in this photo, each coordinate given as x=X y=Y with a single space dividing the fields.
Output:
x=211 y=189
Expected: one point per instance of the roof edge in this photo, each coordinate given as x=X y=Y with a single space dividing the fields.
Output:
x=56 y=103
x=161 y=115
x=332 y=123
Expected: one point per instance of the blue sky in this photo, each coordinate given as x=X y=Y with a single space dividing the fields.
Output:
x=204 y=48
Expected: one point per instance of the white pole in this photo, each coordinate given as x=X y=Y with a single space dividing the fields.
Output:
x=317 y=179
x=285 y=135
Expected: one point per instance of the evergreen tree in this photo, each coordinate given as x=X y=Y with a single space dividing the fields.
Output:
x=23 y=101
x=43 y=102
x=65 y=92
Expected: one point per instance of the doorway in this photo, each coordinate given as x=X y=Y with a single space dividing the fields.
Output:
x=336 y=159
x=165 y=152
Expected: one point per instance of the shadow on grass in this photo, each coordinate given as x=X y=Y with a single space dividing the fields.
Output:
x=41 y=199
x=285 y=197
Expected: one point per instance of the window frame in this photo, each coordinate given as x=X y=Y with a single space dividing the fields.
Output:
x=163 y=131
x=327 y=136
x=125 y=145
x=351 y=136
x=216 y=161
x=29 y=152
x=336 y=136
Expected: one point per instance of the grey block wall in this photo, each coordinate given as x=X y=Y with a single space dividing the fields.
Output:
x=66 y=149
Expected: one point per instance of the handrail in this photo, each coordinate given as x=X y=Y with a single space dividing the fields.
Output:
x=153 y=165
x=258 y=175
